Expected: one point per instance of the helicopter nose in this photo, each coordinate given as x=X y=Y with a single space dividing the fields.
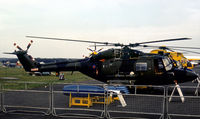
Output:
x=191 y=74
x=185 y=75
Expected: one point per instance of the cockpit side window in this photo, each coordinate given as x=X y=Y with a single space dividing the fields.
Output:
x=141 y=66
x=117 y=53
x=167 y=63
x=158 y=65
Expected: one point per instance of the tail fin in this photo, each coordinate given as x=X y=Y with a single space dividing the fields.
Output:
x=26 y=60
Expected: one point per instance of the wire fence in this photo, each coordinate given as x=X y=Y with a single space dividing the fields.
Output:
x=109 y=102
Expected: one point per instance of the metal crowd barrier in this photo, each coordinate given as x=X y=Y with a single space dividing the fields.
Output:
x=65 y=105
x=140 y=102
x=189 y=108
x=25 y=99
x=50 y=99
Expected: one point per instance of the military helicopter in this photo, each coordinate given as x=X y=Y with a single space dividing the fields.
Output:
x=120 y=64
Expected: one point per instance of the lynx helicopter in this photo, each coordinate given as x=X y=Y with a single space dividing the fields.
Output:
x=120 y=64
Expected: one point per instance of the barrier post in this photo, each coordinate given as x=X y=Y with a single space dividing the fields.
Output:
x=2 y=98
x=105 y=113
x=51 y=105
x=135 y=89
x=164 y=104
x=25 y=86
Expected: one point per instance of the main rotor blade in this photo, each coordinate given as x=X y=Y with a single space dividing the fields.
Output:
x=187 y=51
x=169 y=47
x=105 y=43
x=110 y=44
x=159 y=47
x=183 y=47
x=166 y=40
x=150 y=46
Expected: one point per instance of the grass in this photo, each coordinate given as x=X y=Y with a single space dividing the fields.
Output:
x=25 y=77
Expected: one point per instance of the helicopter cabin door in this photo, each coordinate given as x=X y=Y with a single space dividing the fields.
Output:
x=158 y=66
x=110 y=67
x=143 y=67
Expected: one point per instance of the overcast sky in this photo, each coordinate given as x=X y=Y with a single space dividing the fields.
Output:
x=123 y=21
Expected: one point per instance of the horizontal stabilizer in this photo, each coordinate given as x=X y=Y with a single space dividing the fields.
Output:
x=11 y=53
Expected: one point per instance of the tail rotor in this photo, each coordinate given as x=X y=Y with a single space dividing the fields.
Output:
x=95 y=51
x=26 y=60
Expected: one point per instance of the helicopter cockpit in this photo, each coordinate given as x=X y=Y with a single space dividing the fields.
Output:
x=167 y=63
x=163 y=64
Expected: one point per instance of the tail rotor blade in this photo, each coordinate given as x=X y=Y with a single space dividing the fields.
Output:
x=29 y=45
x=19 y=48
x=100 y=50
x=90 y=49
